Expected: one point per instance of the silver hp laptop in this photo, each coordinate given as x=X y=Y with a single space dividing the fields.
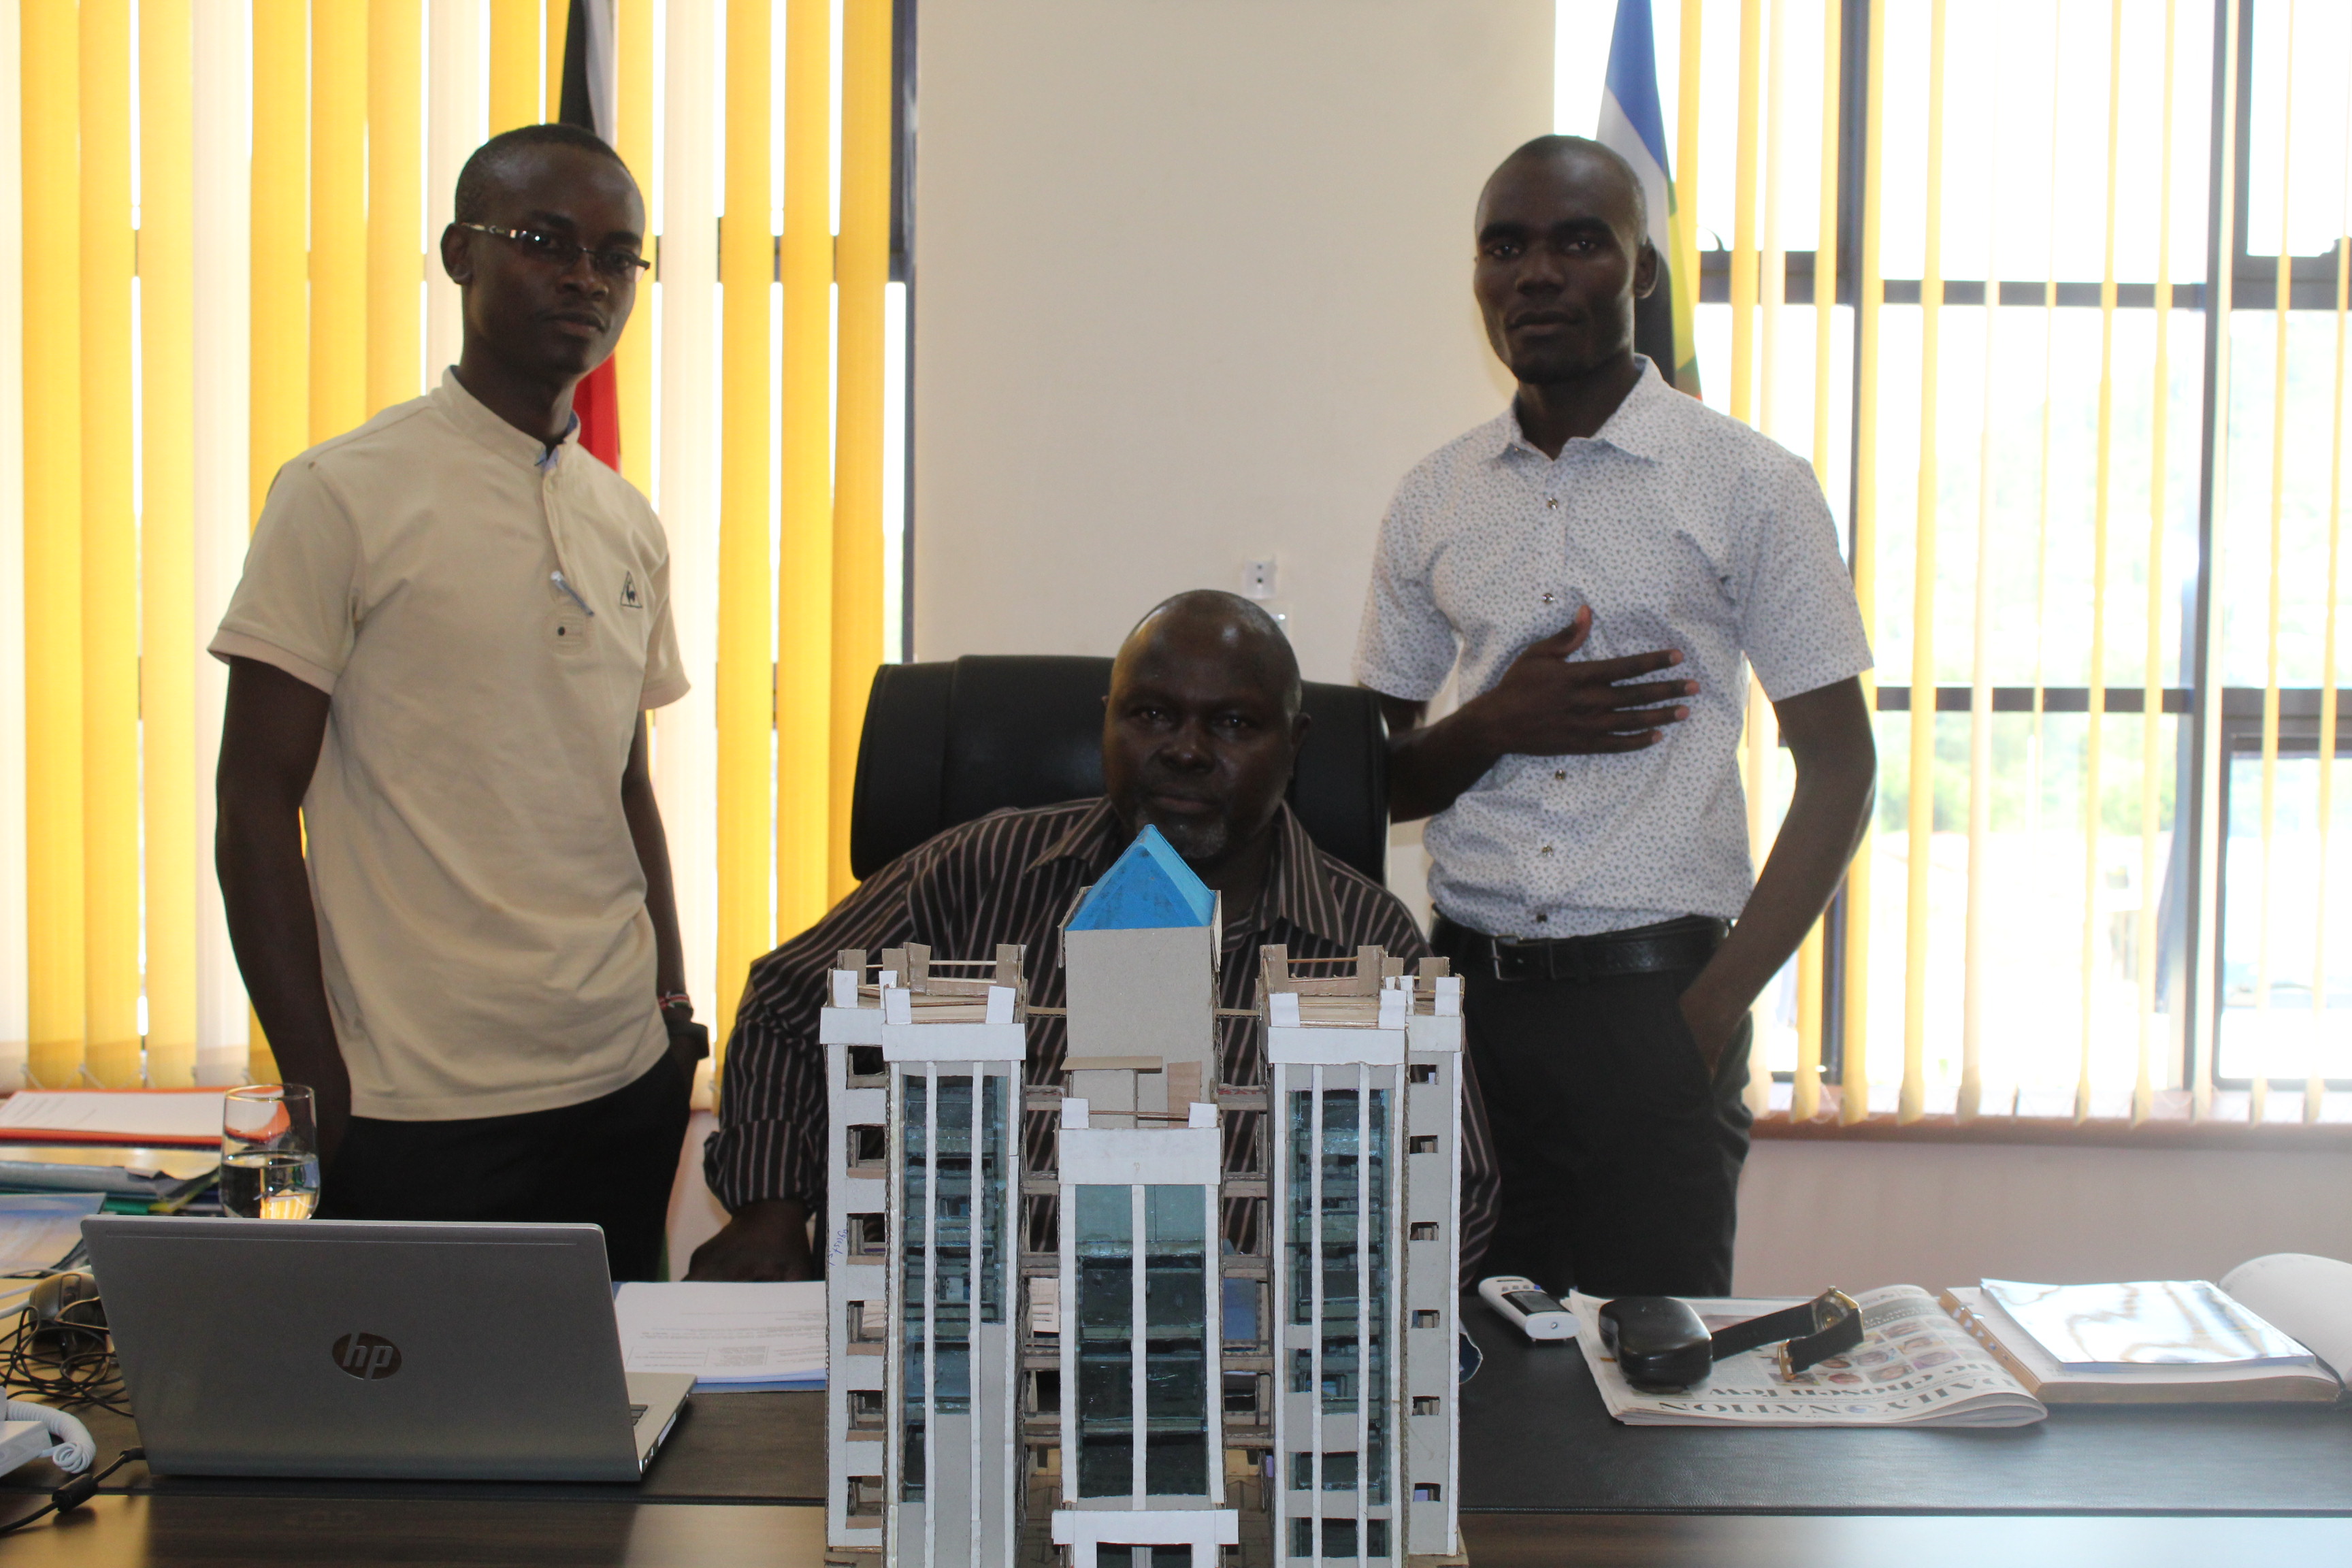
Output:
x=381 y=1349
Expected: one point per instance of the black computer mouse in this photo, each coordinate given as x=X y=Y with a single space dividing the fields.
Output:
x=1660 y=1342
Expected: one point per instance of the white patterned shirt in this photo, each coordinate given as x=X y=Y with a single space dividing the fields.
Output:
x=1681 y=527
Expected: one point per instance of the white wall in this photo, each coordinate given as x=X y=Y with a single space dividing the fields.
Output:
x=1192 y=286
x=1814 y=1215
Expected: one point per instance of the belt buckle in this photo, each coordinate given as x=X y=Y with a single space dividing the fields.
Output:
x=1534 y=960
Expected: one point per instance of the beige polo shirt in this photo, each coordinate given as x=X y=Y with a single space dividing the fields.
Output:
x=481 y=911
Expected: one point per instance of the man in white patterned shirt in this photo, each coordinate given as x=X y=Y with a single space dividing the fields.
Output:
x=1589 y=840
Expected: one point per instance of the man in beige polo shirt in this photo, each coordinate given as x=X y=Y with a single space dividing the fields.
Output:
x=451 y=623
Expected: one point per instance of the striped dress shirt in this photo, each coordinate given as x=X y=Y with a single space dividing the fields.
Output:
x=1012 y=876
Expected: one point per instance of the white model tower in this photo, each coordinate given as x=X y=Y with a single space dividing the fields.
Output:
x=1366 y=1107
x=1100 y=1405
x=921 y=1391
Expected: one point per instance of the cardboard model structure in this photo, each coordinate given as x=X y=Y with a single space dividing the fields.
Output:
x=1143 y=1390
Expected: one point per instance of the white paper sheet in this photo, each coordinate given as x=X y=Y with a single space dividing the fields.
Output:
x=41 y=1230
x=2308 y=1297
x=126 y=1113
x=728 y=1335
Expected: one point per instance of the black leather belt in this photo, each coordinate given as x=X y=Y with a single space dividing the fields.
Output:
x=1685 y=943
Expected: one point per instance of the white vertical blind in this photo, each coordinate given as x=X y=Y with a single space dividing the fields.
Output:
x=223 y=510
x=456 y=120
x=685 y=734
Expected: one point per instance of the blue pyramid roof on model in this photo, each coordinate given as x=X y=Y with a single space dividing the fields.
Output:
x=1149 y=888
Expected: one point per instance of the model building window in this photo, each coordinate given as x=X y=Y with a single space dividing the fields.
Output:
x=1176 y=1369
x=1104 y=1427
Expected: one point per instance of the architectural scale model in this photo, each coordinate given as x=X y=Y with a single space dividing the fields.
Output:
x=1147 y=1393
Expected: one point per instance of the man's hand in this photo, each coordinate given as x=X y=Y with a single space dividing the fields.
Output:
x=1548 y=703
x=1552 y=704
x=764 y=1240
x=271 y=733
x=1712 y=1023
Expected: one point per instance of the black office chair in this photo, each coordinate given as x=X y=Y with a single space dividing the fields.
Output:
x=944 y=743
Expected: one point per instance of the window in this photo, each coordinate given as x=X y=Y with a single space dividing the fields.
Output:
x=2075 y=383
x=1106 y=1317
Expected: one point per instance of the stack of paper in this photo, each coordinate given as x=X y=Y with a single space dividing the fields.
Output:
x=41 y=1231
x=114 y=1116
x=159 y=1179
x=729 y=1336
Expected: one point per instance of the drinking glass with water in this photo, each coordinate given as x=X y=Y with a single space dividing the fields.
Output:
x=269 y=1152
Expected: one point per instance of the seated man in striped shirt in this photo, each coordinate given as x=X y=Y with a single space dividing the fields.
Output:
x=1200 y=734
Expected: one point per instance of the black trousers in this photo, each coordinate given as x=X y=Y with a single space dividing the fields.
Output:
x=1620 y=1152
x=607 y=1162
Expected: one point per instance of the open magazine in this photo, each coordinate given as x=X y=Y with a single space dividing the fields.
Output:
x=1915 y=1367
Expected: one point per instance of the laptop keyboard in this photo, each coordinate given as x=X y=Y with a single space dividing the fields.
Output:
x=636 y=1414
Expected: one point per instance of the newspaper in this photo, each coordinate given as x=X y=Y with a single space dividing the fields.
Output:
x=730 y=1335
x=1915 y=1367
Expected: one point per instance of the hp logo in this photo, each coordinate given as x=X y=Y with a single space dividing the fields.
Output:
x=367 y=1356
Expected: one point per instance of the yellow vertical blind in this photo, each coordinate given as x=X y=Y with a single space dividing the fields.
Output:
x=804 y=680
x=338 y=219
x=116 y=605
x=748 y=721
x=280 y=331
x=110 y=559
x=51 y=99
x=167 y=589
x=555 y=26
x=514 y=64
x=396 y=201
x=864 y=273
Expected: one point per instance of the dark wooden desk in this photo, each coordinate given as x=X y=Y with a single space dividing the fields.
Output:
x=726 y=1448
x=141 y=1531
x=1536 y=1439
x=1547 y=1480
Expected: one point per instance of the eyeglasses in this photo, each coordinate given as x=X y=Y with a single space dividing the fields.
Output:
x=621 y=265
